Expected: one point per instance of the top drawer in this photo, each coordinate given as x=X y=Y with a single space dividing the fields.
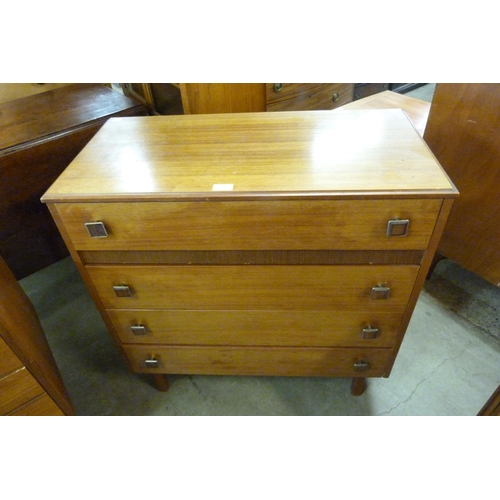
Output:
x=251 y=225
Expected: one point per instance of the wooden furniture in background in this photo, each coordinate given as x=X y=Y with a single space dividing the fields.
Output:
x=255 y=243
x=307 y=96
x=463 y=132
x=362 y=90
x=159 y=98
x=416 y=109
x=198 y=98
x=41 y=135
x=223 y=97
x=12 y=91
x=30 y=383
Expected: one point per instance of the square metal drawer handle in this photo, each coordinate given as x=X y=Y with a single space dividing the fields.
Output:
x=380 y=292
x=361 y=366
x=151 y=362
x=370 y=332
x=139 y=330
x=96 y=229
x=397 y=227
x=122 y=291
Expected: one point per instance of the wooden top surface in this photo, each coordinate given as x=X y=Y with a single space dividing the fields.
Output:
x=253 y=155
x=36 y=117
x=416 y=109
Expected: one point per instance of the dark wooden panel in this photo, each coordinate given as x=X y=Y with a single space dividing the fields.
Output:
x=307 y=96
x=41 y=135
x=29 y=239
x=249 y=257
x=462 y=131
x=44 y=115
x=365 y=89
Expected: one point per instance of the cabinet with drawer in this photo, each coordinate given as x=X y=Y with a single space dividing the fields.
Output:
x=200 y=98
x=30 y=382
x=291 y=243
x=307 y=96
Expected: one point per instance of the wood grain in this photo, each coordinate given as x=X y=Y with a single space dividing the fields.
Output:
x=59 y=111
x=12 y=91
x=369 y=153
x=253 y=287
x=251 y=225
x=223 y=97
x=21 y=330
x=252 y=257
x=264 y=361
x=462 y=131
x=416 y=109
x=308 y=96
x=41 y=406
x=16 y=389
x=9 y=362
x=271 y=275
x=266 y=328
x=41 y=135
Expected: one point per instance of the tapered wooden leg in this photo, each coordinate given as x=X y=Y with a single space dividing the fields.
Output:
x=358 y=386
x=160 y=382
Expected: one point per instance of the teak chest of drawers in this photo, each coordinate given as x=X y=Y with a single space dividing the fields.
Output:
x=291 y=243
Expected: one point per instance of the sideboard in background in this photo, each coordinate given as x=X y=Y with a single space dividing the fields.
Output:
x=196 y=98
x=41 y=135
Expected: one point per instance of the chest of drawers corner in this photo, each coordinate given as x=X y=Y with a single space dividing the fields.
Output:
x=290 y=244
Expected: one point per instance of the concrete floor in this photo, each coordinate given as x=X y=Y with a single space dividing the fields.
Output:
x=448 y=363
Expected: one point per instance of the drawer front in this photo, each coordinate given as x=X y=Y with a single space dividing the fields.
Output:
x=17 y=389
x=251 y=225
x=258 y=328
x=9 y=362
x=266 y=361
x=307 y=96
x=252 y=287
x=42 y=406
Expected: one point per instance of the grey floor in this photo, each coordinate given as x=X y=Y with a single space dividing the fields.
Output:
x=448 y=365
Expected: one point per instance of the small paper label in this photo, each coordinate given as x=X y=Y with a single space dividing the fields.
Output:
x=222 y=187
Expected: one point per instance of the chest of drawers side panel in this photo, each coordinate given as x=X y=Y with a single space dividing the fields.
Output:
x=421 y=277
